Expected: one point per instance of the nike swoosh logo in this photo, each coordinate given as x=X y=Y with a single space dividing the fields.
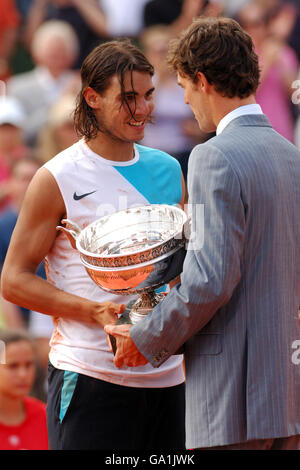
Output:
x=77 y=198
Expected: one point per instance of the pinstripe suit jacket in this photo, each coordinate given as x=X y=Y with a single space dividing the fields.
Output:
x=236 y=307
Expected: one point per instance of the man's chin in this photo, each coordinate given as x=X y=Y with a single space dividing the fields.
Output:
x=206 y=129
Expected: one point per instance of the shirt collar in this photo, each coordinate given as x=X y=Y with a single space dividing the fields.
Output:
x=241 y=111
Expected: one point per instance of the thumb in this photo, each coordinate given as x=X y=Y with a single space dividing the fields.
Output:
x=122 y=308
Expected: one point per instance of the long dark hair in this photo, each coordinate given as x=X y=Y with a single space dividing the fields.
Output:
x=106 y=60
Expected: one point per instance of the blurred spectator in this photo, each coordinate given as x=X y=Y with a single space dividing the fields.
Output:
x=166 y=12
x=54 y=49
x=22 y=418
x=19 y=317
x=232 y=7
x=123 y=18
x=12 y=144
x=59 y=132
x=286 y=22
x=23 y=7
x=171 y=115
x=283 y=15
x=85 y=16
x=294 y=37
x=9 y=23
x=21 y=60
x=279 y=67
x=179 y=13
x=22 y=173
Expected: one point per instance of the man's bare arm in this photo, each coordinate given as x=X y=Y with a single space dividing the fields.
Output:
x=33 y=237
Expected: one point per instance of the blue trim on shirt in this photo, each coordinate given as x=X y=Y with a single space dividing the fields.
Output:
x=156 y=175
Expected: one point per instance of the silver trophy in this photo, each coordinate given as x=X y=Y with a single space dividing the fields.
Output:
x=134 y=251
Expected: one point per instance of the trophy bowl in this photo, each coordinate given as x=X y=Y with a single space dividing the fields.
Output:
x=134 y=251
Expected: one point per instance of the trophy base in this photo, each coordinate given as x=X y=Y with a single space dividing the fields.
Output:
x=137 y=310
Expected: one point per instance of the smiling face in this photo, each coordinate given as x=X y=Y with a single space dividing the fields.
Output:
x=123 y=116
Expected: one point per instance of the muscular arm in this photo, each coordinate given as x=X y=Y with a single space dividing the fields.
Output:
x=34 y=234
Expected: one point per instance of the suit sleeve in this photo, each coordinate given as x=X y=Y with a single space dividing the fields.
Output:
x=212 y=267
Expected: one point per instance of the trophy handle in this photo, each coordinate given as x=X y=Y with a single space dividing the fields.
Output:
x=71 y=234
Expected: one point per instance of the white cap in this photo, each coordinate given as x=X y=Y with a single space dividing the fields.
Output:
x=11 y=112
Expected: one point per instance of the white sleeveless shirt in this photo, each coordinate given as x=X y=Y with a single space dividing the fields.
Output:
x=92 y=186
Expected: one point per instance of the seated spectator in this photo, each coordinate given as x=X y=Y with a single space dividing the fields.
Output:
x=59 y=132
x=279 y=67
x=19 y=317
x=22 y=173
x=22 y=418
x=54 y=49
x=12 y=144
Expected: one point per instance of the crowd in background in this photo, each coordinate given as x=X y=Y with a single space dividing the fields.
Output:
x=42 y=46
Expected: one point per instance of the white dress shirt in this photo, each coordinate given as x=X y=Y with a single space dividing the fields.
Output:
x=241 y=111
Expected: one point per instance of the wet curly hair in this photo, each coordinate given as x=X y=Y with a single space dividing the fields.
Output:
x=110 y=58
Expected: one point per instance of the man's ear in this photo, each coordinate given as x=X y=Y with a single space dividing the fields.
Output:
x=92 y=98
x=202 y=82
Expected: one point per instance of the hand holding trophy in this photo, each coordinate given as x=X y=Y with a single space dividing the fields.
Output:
x=134 y=251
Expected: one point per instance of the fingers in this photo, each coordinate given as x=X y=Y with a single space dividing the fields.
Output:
x=118 y=330
x=107 y=312
x=122 y=308
x=127 y=353
x=116 y=308
x=109 y=329
x=118 y=360
x=136 y=361
x=109 y=343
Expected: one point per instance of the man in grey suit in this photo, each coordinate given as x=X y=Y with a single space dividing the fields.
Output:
x=236 y=308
